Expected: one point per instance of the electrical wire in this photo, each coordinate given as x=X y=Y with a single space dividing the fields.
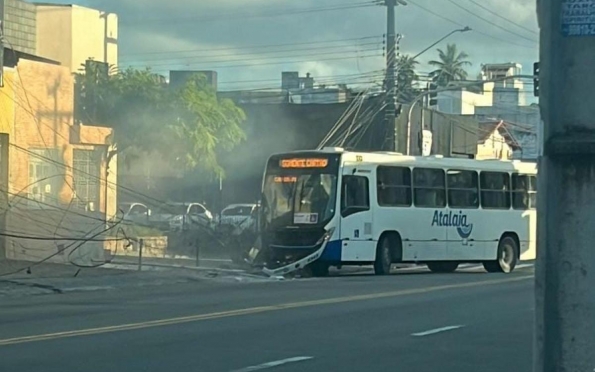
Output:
x=253 y=46
x=490 y=22
x=502 y=17
x=218 y=67
x=462 y=25
x=248 y=15
x=330 y=49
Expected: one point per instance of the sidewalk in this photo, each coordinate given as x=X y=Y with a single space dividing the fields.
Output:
x=122 y=272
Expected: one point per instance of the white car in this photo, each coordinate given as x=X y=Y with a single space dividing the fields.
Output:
x=189 y=216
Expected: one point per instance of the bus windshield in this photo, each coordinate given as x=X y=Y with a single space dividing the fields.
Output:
x=301 y=199
x=299 y=189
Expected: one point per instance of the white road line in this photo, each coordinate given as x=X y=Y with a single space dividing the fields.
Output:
x=436 y=330
x=275 y=363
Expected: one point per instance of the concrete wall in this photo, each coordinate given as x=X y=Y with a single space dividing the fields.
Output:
x=72 y=34
x=452 y=135
x=36 y=106
x=153 y=247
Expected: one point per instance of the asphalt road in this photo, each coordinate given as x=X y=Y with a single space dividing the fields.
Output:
x=410 y=321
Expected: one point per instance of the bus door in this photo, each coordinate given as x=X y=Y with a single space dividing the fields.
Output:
x=463 y=202
x=356 y=217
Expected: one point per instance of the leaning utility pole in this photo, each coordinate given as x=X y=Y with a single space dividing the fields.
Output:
x=565 y=274
x=391 y=56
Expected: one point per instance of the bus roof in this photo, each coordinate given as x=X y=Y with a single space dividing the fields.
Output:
x=392 y=158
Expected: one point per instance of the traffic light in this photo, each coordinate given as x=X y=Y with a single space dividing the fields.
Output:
x=536 y=79
x=433 y=95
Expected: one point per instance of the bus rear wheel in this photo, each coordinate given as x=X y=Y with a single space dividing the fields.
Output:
x=508 y=257
x=383 y=257
x=443 y=267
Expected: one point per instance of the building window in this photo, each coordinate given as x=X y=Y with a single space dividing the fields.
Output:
x=45 y=177
x=86 y=179
x=429 y=188
x=463 y=189
x=394 y=186
x=495 y=190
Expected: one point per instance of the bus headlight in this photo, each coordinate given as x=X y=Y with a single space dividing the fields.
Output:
x=327 y=236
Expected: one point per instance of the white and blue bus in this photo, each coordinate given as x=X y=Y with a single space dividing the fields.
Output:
x=334 y=208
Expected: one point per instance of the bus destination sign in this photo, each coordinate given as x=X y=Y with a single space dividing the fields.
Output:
x=303 y=163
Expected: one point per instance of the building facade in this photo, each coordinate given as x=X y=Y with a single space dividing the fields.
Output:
x=20 y=26
x=72 y=34
x=52 y=171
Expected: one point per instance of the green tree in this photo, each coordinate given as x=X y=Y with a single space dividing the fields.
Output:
x=450 y=66
x=406 y=79
x=189 y=126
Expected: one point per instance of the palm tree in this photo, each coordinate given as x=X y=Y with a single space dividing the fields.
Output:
x=406 y=77
x=450 y=67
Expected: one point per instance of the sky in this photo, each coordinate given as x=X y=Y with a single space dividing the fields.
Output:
x=250 y=42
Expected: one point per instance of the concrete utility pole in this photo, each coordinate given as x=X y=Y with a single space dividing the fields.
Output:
x=565 y=274
x=390 y=110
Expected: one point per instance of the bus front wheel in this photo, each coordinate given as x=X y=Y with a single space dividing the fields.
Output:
x=508 y=256
x=383 y=257
x=319 y=269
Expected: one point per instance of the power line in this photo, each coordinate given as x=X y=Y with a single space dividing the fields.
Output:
x=247 y=15
x=280 y=62
x=490 y=22
x=230 y=60
x=252 y=53
x=317 y=78
x=503 y=18
x=256 y=46
x=462 y=25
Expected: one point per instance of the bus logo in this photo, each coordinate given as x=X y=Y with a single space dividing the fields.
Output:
x=451 y=219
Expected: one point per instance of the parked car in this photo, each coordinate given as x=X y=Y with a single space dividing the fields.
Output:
x=235 y=214
x=136 y=213
x=189 y=216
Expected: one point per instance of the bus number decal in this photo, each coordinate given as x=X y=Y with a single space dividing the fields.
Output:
x=359 y=158
x=459 y=221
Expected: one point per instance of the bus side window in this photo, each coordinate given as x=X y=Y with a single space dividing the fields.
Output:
x=429 y=188
x=495 y=190
x=524 y=191
x=355 y=195
x=463 y=189
x=394 y=186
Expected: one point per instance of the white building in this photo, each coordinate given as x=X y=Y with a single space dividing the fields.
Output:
x=502 y=100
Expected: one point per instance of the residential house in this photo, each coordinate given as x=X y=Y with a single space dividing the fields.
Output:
x=495 y=141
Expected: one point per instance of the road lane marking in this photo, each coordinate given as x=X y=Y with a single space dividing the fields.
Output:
x=437 y=330
x=275 y=363
x=251 y=310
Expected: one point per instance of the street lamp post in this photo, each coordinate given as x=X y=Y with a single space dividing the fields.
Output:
x=464 y=29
